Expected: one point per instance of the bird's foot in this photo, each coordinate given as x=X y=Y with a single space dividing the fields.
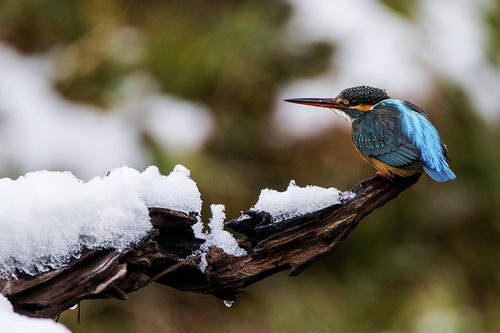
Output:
x=380 y=174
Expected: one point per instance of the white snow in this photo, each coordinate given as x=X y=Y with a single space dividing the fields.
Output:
x=375 y=46
x=11 y=322
x=177 y=191
x=296 y=200
x=48 y=217
x=217 y=236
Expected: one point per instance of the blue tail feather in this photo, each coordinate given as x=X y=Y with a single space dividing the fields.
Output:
x=440 y=176
x=419 y=130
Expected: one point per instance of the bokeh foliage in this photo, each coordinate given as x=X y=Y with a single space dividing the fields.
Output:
x=426 y=262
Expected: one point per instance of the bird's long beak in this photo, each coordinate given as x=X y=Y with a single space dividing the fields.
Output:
x=330 y=103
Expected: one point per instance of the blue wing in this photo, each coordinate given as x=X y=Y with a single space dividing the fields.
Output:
x=419 y=131
x=379 y=134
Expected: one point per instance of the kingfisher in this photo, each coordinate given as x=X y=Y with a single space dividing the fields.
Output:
x=394 y=136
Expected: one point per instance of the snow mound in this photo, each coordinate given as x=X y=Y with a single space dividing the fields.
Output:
x=296 y=200
x=47 y=217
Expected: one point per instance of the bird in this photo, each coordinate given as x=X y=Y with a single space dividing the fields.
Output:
x=396 y=137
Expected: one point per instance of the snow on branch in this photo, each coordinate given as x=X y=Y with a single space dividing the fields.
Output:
x=67 y=240
x=47 y=218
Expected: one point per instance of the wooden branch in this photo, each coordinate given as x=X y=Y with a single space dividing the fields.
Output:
x=171 y=255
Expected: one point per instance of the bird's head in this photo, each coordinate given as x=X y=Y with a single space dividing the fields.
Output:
x=354 y=101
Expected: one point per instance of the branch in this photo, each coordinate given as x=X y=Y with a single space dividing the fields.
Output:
x=171 y=254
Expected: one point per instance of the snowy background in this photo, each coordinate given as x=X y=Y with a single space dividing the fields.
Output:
x=88 y=87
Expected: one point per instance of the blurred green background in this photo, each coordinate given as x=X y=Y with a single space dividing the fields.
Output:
x=426 y=262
